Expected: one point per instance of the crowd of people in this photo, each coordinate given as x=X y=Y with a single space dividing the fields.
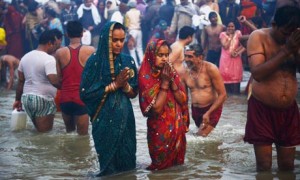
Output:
x=162 y=52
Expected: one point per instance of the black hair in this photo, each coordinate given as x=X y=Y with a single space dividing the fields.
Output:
x=51 y=12
x=33 y=6
x=119 y=26
x=287 y=16
x=212 y=14
x=186 y=31
x=197 y=48
x=165 y=43
x=74 y=29
x=47 y=36
x=58 y=34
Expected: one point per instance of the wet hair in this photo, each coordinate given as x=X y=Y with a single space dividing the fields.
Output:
x=212 y=14
x=197 y=48
x=288 y=16
x=186 y=31
x=119 y=26
x=47 y=36
x=74 y=29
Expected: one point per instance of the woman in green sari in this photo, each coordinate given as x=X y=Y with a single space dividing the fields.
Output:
x=109 y=80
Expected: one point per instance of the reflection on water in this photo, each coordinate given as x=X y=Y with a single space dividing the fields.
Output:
x=57 y=155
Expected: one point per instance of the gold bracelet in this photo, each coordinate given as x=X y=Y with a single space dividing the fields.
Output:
x=113 y=84
x=110 y=87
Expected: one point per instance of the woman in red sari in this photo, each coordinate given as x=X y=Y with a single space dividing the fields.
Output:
x=163 y=100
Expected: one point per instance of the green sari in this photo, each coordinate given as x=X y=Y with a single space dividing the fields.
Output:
x=113 y=126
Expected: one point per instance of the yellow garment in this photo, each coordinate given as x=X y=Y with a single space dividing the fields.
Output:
x=2 y=37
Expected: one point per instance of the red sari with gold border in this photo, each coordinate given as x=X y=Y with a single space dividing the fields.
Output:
x=166 y=131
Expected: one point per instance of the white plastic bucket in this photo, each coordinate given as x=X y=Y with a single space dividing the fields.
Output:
x=18 y=120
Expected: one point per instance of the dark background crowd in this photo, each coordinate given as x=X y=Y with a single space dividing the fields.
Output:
x=24 y=20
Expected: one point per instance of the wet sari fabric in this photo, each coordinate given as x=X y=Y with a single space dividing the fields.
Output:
x=113 y=128
x=166 y=131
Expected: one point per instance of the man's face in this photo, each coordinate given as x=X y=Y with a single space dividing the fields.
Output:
x=283 y=33
x=191 y=38
x=213 y=19
x=88 y=3
x=190 y=58
x=57 y=44
x=162 y=56
x=118 y=39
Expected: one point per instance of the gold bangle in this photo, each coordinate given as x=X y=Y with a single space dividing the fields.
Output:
x=113 y=84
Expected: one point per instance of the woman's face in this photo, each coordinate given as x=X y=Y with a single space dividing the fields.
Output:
x=101 y=6
x=162 y=56
x=230 y=28
x=108 y=4
x=118 y=39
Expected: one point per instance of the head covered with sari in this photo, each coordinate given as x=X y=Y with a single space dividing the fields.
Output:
x=102 y=67
x=166 y=130
x=150 y=82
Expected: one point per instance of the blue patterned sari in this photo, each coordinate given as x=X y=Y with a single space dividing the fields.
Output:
x=113 y=127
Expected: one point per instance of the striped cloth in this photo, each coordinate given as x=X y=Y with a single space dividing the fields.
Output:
x=37 y=106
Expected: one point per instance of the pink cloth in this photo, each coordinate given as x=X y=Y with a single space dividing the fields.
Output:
x=231 y=68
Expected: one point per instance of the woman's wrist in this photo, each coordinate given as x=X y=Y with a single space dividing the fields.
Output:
x=127 y=88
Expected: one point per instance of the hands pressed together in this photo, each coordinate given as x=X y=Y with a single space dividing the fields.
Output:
x=293 y=42
x=122 y=78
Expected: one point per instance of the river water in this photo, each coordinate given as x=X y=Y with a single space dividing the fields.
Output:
x=57 y=155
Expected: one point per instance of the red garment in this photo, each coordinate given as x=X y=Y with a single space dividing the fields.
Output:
x=197 y=114
x=266 y=125
x=71 y=78
x=13 y=27
x=248 y=9
x=166 y=132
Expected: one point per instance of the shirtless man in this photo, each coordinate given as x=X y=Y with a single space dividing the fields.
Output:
x=71 y=61
x=273 y=114
x=12 y=63
x=207 y=90
x=176 y=57
x=210 y=40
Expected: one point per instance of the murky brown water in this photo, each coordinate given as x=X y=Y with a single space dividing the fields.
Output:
x=57 y=155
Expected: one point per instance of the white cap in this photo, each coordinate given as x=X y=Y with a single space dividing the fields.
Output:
x=64 y=1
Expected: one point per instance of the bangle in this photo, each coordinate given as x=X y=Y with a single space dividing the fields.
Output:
x=164 y=89
x=113 y=84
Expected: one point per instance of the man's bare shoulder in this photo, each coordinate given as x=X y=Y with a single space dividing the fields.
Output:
x=88 y=47
x=211 y=68
x=221 y=26
x=62 y=50
x=261 y=33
